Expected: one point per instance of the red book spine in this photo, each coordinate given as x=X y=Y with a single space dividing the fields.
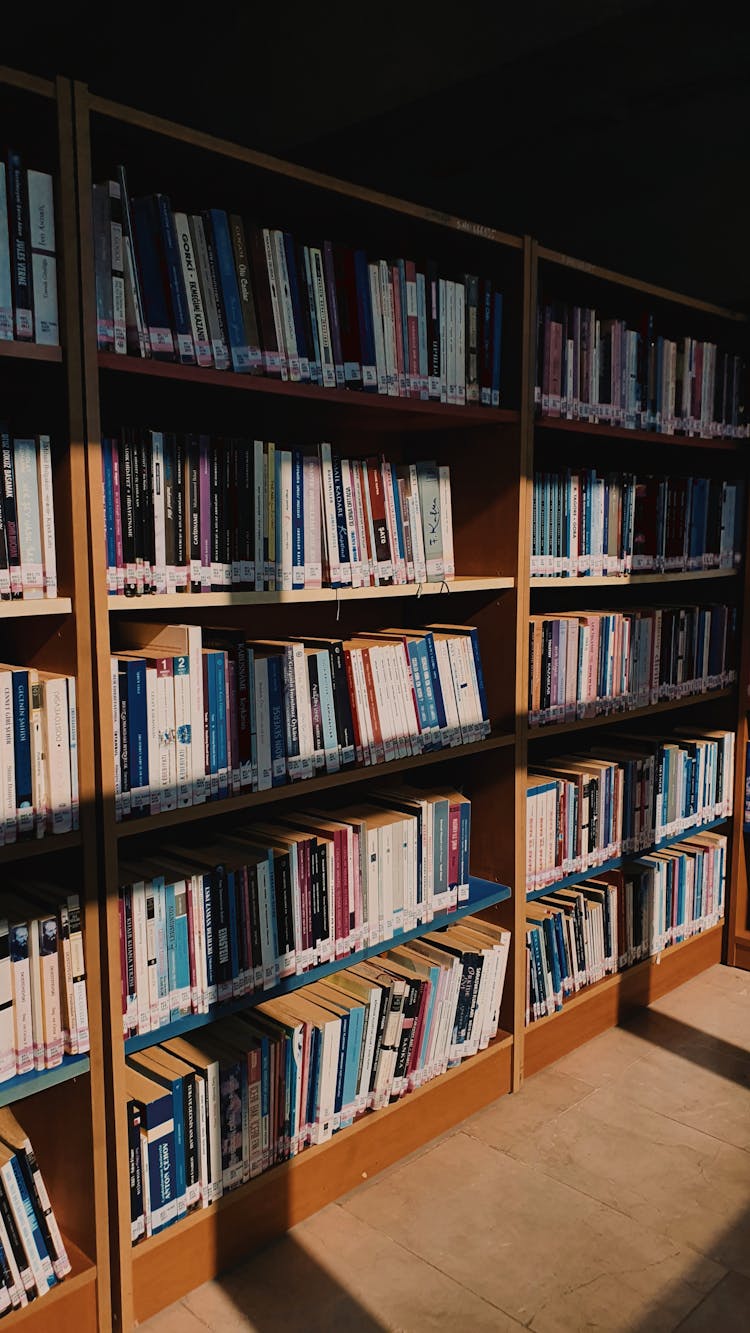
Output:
x=338 y=899
x=382 y=553
x=377 y=757
x=454 y=835
x=412 y=327
x=347 y=890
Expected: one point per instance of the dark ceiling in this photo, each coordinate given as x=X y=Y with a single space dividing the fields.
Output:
x=617 y=130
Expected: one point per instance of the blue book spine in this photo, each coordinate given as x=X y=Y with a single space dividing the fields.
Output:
x=230 y=293
x=298 y=521
x=344 y=1022
x=156 y=306
x=210 y=709
x=434 y=677
x=304 y=352
x=328 y=710
x=178 y=1116
x=423 y=711
x=278 y=725
x=43 y=1254
x=353 y=1050
x=171 y=949
x=316 y=1038
x=338 y=500
x=138 y=735
x=365 y=321
x=208 y=923
x=180 y=313
x=182 y=949
x=22 y=754
x=222 y=755
x=162 y=1177
x=497 y=340
x=474 y=637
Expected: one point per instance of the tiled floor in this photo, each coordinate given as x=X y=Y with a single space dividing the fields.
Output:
x=612 y=1193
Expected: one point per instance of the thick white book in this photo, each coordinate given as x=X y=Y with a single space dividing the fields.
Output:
x=446 y=522
x=191 y=279
x=312 y=521
x=328 y=368
x=70 y=685
x=286 y=311
x=47 y=515
x=57 y=752
x=43 y=264
x=27 y=517
x=21 y=988
x=273 y=283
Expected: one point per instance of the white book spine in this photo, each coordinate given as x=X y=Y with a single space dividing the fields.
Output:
x=273 y=281
x=460 y=306
x=157 y=498
x=47 y=516
x=359 y=486
x=191 y=280
x=286 y=311
x=7 y=761
x=73 y=746
x=57 y=739
x=41 y=1268
x=328 y=369
x=7 y=1035
x=21 y=981
x=334 y=575
x=446 y=522
x=117 y=773
x=27 y=517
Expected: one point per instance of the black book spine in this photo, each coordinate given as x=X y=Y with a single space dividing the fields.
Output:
x=16 y=1245
x=385 y=1009
x=135 y=1167
x=170 y=526
x=127 y=517
x=216 y=515
x=136 y=481
x=228 y=502
x=284 y=910
x=20 y=249
x=124 y=748
x=8 y=500
x=342 y=703
x=316 y=929
x=180 y=529
x=190 y=1121
x=411 y=1011
x=255 y=941
x=194 y=511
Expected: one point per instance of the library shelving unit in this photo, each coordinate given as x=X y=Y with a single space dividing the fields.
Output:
x=484 y=449
x=559 y=442
x=61 y=1109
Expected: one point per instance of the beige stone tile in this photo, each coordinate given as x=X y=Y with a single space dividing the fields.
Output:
x=518 y=1238
x=176 y=1318
x=335 y=1272
x=674 y=1179
x=605 y=1057
x=710 y=1011
x=726 y=1309
x=539 y=1103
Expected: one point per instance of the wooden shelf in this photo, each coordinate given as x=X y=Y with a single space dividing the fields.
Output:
x=20 y=351
x=544 y=731
x=608 y=1002
x=69 y=1305
x=433 y=413
x=616 y=861
x=25 y=1085
x=482 y=894
x=640 y=436
x=166 y=1266
x=360 y=773
x=40 y=606
x=181 y=601
x=21 y=851
x=615 y=581
x=609 y=276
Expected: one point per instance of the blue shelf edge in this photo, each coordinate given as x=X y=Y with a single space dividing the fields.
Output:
x=483 y=893
x=618 y=861
x=26 y=1084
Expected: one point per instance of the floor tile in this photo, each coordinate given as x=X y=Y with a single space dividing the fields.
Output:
x=539 y=1103
x=518 y=1238
x=726 y=1309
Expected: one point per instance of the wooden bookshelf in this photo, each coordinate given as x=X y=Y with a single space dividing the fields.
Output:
x=41 y=389
x=492 y=455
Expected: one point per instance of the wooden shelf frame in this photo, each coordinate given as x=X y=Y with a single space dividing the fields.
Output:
x=544 y=731
x=56 y=634
x=617 y=581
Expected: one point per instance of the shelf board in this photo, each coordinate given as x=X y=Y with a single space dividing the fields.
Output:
x=40 y=606
x=616 y=861
x=610 y=1000
x=541 y=732
x=169 y=601
x=615 y=581
x=482 y=894
x=432 y=412
x=639 y=436
x=21 y=351
x=27 y=1084
x=21 y=851
x=70 y=1304
x=212 y=1239
x=359 y=773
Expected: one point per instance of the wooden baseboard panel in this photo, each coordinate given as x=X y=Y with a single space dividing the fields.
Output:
x=742 y=951
x=71 y=1305
x=606 y=1003
x=212 y=1240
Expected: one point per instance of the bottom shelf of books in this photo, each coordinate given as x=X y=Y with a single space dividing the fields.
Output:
x=208 y=1240
x=609 y=1001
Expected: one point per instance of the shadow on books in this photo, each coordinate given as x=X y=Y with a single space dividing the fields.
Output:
x=280 y=1288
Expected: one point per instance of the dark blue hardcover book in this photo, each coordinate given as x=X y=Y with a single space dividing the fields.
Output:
x=232 y=880
x=154 y=283
x=338 y=499
x=109 y=508
x=134 y=670
x=222 y=754
x=339 y=1094
x=173 y=1088
x=464 y=843
x=210 y=725
x=434 y=679
x=20 y=249
x=304 y=351
x=157 y=1121
x=180 y=314
x=278 y=725
x=208 y=924
x=316 y=1040
x=497 y=342
x=423 y=709
x=298 y=521
x=37 y=1236
x=217 y=223
x=309 y=296
x=365 y=321
x=22 y=754
x=333 y=313
x=222 y=952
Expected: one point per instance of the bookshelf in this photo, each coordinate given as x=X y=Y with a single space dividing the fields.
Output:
x=493 y=454
x=40 y=389
x=488 y=532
